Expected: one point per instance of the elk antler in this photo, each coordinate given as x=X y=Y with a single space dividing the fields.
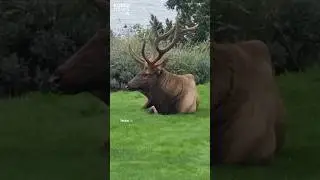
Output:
x=158 y=38
x=135 y=57
x=177 y=33
x=144 y=53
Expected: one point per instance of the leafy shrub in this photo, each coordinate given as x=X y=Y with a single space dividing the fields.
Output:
x=194 y=59
x=36 y=36
x=14 y=79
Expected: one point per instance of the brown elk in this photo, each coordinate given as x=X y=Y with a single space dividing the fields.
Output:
x=167 y=93
x=87 y=69
x=248 y=124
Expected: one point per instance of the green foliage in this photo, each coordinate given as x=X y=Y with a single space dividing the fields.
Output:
x=293 y=25
x=39 y=35
x=197 y=11
x=165 y=147
x=188 y=58
x=141 y=32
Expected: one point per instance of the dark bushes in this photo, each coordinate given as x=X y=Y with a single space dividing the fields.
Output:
x=36 y=36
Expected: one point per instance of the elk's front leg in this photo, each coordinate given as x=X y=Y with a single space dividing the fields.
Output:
x=147 y=104
x=153 y=110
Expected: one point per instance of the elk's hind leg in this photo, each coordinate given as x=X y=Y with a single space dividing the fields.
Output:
x=188 y=104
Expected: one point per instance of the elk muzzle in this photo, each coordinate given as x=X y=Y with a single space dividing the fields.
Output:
x=133 y=85
x=130 y=86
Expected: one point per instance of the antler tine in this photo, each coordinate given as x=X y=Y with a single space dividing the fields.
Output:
x=144 y=53
x=193 y=28
x=135 y=57
x=158 y=38
x=161 y=52
x=165 y=35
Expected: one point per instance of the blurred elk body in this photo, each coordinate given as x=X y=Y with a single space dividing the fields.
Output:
x=248 y=125
x=86 y=70
x=167 y=93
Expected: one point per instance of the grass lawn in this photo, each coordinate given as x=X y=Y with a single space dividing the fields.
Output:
x=158 y=147
x=46 y=137
x=299 y=160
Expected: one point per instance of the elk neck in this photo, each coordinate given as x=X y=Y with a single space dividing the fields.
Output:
x=169 y=84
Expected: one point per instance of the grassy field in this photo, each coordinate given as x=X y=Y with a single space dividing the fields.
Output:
x=46 y=137
x=158 y=147
x=300 y=158
x=58 y=137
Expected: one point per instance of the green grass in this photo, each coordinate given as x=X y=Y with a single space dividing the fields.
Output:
x=46 y=137
x=299 y=160
x=158 y=147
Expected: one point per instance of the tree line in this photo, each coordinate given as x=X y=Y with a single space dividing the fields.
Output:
x=36 y=36
x=291 y=28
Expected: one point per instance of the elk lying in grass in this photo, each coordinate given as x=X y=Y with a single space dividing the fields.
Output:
x=167 y=93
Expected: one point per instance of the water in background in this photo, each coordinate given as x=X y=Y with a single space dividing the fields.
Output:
x=131 y=12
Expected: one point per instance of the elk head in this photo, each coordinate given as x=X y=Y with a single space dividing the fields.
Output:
x=86 y=69
x=153 y=68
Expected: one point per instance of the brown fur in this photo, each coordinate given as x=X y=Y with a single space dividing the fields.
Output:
x=86 y=70
x=167 y=92
x=248 y=123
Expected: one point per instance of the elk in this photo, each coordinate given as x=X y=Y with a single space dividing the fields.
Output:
x=248 y=124
x=87 y=70
x=167 y=93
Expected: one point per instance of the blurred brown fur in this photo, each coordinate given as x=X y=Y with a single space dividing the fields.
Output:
x=248 y=124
